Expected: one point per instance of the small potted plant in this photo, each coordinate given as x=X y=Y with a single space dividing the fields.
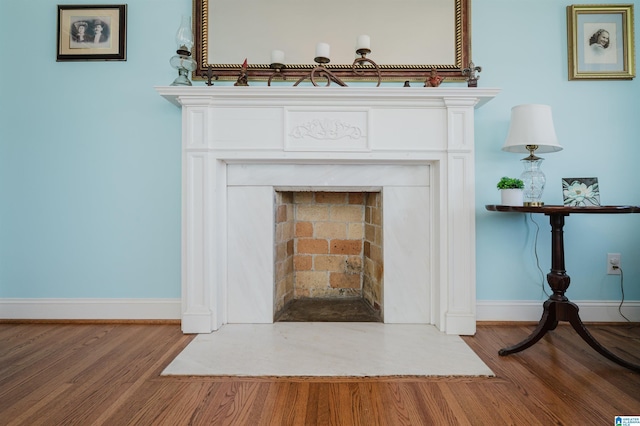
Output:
x=511 y=191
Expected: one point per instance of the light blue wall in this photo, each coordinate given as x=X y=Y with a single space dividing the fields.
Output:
x=522 y=46
x=90 y=158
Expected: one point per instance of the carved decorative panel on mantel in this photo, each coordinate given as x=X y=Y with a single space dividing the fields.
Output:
x=315 y=129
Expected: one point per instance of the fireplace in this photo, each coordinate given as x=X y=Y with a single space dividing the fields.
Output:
x=414 y=146
x=328 y=256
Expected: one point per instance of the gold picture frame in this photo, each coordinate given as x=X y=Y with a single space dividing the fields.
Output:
x=228 y=31
x=601 y=42
x=92 y=33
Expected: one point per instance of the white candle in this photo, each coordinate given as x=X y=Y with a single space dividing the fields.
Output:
x=322 y=50
x=363 y=42
x=277 y=57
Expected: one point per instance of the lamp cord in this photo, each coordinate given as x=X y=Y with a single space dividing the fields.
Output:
x=535 y=252
x=622 y=291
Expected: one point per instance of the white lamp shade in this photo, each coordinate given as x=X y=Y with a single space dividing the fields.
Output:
x=531 y=124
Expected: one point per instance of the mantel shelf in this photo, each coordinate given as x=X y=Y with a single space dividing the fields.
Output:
x=285 y=95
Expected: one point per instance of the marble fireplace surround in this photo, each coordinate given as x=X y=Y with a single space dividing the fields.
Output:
x=241 y=144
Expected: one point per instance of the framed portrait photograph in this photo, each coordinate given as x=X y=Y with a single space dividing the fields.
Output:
x=600 y=42
x=92 y=33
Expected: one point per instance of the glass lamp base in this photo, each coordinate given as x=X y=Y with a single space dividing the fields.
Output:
x=184 y=64
x=181 y=80
x=534 y=181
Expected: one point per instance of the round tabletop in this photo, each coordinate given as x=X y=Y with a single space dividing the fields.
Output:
x=563 y=209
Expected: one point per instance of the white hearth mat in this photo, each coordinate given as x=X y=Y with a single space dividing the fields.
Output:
x=330 y=349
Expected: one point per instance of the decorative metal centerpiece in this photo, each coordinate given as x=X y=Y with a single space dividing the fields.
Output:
x=361 y=68
x=321 y=72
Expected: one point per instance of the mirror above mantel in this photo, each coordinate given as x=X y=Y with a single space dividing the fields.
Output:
x=408 y=38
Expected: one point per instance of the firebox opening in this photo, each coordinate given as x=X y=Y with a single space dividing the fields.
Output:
x=328 y=256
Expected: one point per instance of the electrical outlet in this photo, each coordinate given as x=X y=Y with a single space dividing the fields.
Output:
x=613 y=264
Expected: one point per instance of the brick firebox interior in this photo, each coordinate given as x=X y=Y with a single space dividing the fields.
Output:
x=328 y=245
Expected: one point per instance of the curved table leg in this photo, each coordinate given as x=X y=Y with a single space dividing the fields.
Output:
x=555 y=311
x=549 y=321
x=574 y=319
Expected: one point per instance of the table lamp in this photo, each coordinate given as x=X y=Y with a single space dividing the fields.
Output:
x=531 y=131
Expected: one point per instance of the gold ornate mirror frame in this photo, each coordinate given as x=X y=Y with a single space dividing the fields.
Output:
x=409 y=38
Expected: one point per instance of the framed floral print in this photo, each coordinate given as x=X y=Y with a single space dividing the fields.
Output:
x=600 y=42
x=92 y=33
x=580 y=191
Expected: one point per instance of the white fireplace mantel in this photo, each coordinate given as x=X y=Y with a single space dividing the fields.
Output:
x=239 y=144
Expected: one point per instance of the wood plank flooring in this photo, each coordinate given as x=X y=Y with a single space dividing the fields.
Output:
x=109 y=374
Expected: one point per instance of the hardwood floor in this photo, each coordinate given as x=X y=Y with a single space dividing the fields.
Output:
x=94 y=374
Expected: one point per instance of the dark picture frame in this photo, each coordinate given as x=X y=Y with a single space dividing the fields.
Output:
x=92 y=33
x=601 y=42
x=580 y=191
x=246 y=39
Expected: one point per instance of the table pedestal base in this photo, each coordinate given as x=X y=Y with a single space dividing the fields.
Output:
x=564 y=310
x=557 y=307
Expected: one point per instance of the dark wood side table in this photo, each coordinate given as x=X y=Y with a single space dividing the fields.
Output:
x=558 y=307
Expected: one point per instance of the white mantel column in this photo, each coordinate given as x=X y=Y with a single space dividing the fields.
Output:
x=458 y=282
x=203 y=230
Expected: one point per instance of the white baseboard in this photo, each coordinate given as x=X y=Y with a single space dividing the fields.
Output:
x=528 y=310
x=170 y=309
x=91 y=309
